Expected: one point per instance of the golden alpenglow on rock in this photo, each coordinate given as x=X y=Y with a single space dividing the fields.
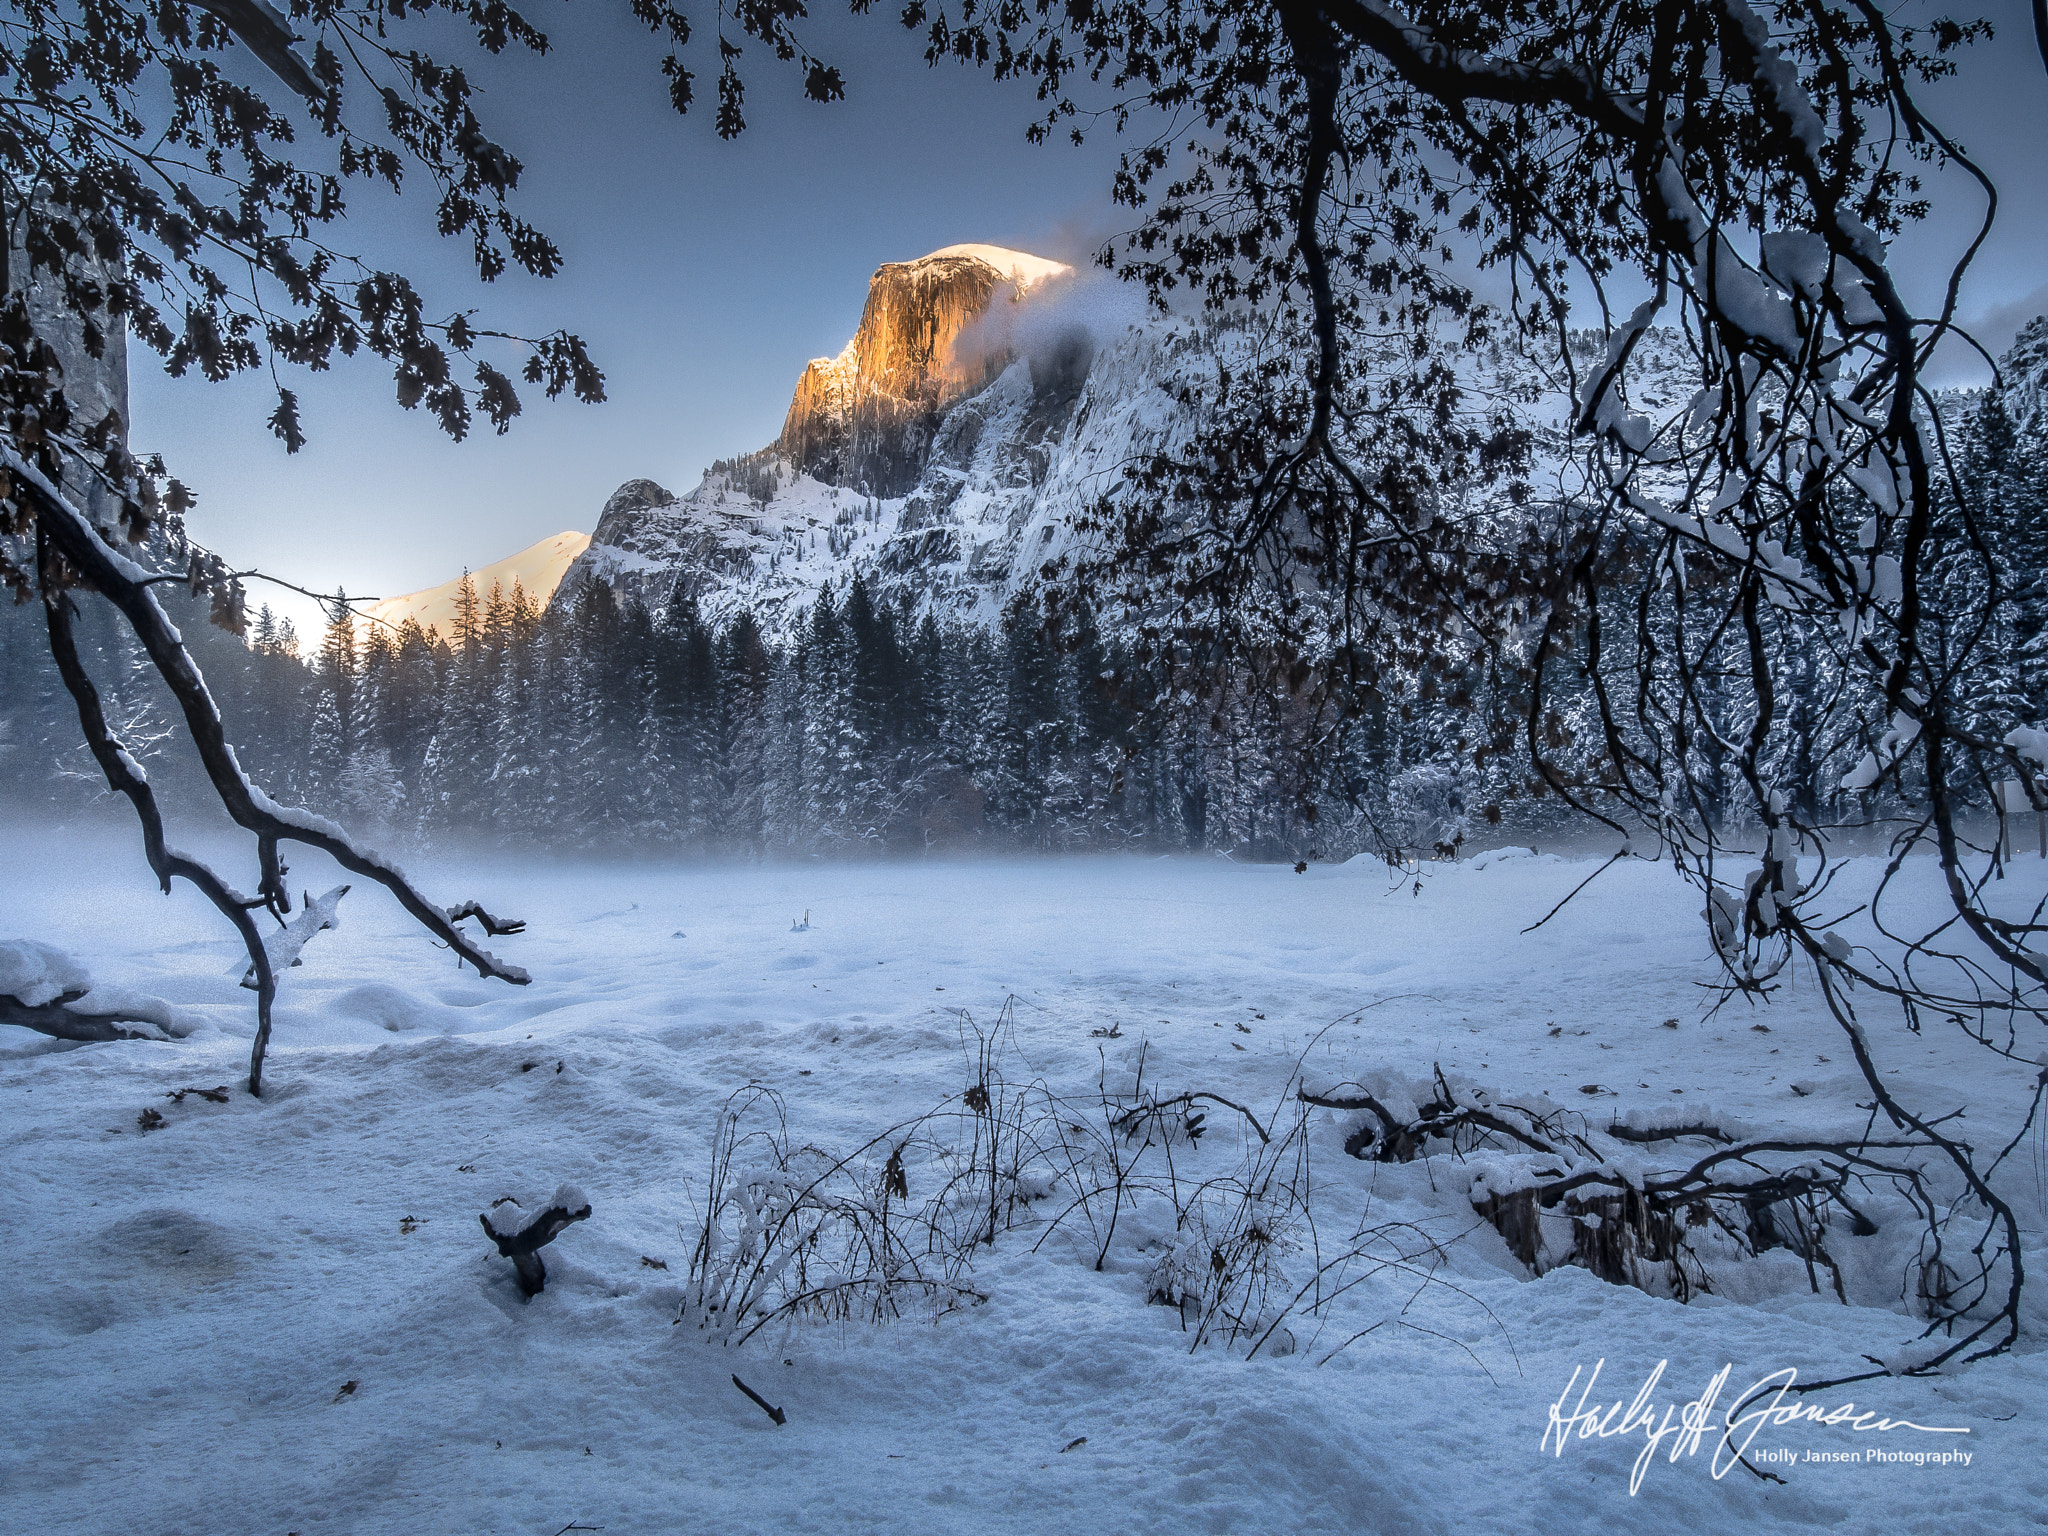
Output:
x=863 y=419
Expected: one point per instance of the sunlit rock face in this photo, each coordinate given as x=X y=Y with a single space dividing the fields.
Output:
x=864 y=420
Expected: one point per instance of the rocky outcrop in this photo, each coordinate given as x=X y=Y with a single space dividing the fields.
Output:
x=820 y=412
x=864 y=420
x=649 y=543
x=2025 y=370
x=621 y=521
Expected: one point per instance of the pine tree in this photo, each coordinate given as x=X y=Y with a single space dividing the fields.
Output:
x=835 y=747
x=523 y=763
x=788 y=809
x=522 y=615
x=409 y=709
x=455 y=780
x=1032 y=738
x=495 y=628
x=1990 y=600
x=335 y=730
x=746 y=669
x=468 y=622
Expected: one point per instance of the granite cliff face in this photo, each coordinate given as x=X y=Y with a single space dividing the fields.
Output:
x=864 y=419
x=942 y=454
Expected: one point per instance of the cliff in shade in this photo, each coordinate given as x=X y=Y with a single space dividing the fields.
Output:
x=2025 y=371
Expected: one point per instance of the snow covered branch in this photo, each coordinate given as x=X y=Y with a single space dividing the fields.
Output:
x=72 y=553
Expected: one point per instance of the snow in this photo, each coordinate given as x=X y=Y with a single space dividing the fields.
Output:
x=34 y=974
x=282 y=945
x=1021 y=267
x=1780 y=79
x=1892 y=746
x=283 y=1315
x=1798 y=259
x=1599 y=397
x=538 y=568
x=1748 y=303
x=2029 y=743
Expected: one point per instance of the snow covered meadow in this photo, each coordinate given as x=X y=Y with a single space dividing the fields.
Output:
x=283 y=1316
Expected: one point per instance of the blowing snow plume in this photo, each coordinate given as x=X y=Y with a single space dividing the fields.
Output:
x=1056 y=325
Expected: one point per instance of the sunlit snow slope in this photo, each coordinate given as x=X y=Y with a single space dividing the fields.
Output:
x=538 y=568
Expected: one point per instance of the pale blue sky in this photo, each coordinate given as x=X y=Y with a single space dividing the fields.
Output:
x=704 y=274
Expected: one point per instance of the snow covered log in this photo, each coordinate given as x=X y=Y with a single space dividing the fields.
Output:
x=61 y=1021
x=520 y=1234
x=44 y=989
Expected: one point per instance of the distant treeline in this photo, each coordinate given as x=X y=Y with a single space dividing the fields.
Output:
x=600 y=727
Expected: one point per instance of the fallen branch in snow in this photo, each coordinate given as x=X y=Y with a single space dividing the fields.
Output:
x=284 y=945
x=520 y=1237
x=762 y=1403
x=1441 y=1116
x=1137 y=1118
x=1623 y=1131
x=1566 y=1198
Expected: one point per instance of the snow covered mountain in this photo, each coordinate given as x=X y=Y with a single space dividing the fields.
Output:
x=987 y=400
x=538 y=568
x=986 y=397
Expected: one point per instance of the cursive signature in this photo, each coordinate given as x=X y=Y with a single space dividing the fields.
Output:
x=1680 y=1429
